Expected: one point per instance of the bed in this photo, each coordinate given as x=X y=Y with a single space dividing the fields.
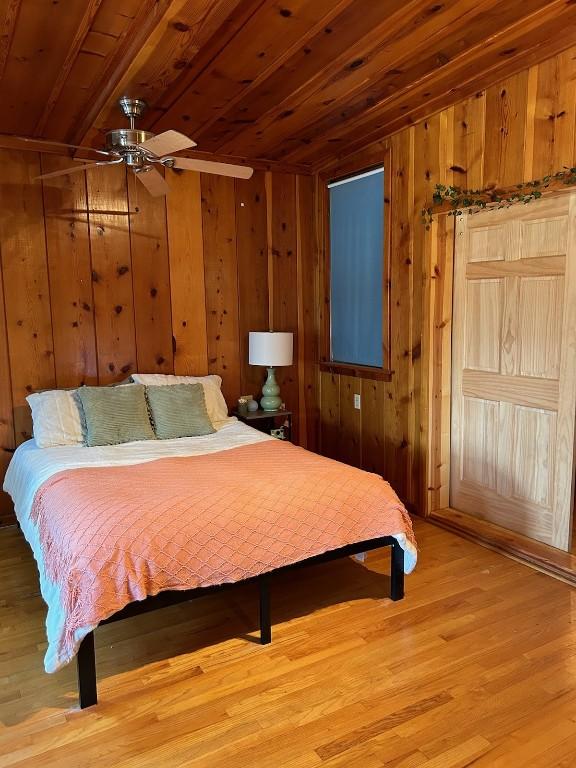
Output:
x=119 y=530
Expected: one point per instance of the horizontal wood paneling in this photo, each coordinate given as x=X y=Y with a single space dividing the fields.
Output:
x=99 y=280
x=517 y=130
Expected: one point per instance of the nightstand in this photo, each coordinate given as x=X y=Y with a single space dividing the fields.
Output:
x=266 y=421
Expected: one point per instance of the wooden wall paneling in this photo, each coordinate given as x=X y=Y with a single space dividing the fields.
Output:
x=436 y=480
x=506 y=105
x=426 y=173
x=284 y=282
x=7 y=441
x=497 y=136
x=398 y=447
x=70 y=273
x=252 y=253
x=187 y=284
x=308 y=315
x=221 y=277
x=330 y=414
x=555 y=114
x=150 y=279
x=111 y=272
x=372 y=426
x=26 y=286
x=468 y=131
x=350 y=421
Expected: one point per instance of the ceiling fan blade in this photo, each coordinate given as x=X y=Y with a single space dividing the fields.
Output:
x=77 y=168
x=153 y=180
x=166 y=143
x=207 y=166
x=63 y=145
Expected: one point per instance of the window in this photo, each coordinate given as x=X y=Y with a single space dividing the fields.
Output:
x=357 y=268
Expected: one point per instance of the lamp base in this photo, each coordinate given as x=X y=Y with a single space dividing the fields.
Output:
x=271 y=400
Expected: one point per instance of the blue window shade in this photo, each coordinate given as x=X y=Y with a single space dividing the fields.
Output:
x=356 y=268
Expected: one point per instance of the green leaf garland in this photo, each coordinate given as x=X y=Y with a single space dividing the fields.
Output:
x=474 y=200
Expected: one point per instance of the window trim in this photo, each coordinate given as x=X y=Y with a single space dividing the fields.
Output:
x=384 y=372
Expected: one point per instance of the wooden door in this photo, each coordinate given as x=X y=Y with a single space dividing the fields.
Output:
x=514 y=368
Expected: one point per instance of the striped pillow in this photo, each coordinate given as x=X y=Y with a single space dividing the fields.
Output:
x=179 y=410
x=115 y=415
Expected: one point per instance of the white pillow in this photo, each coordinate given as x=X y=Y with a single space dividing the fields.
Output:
x=55 y=418
x=215 y=403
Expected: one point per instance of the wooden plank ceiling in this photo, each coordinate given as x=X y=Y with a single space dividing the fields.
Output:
x=294 y=81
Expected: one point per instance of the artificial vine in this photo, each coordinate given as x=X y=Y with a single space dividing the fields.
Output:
x=474 y=200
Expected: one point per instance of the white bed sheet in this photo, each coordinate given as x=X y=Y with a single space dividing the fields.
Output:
x=32 y=466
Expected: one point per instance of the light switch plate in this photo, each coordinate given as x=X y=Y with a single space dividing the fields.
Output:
x=357 y=402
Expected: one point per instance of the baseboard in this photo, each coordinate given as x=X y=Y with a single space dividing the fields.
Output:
x=561 y=565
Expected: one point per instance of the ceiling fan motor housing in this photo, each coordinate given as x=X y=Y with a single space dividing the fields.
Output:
x=125 y=142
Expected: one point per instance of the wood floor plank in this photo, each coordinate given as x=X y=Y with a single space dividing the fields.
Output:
x=477 y=666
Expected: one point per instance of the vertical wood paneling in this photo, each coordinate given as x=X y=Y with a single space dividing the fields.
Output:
x=506 y=105
x=252 y=251
x=308 y=314
x=151 y=279
x=468 y=132
x=186 y=256
x=26 y=287
x=399 y=390
x=555 y=114
x=350 y=421
x=69 y=266
x=426 y=172
x=285 y=279
x=221 y=276
x=111 y=273
x=119 y=280
x=330 y=414
x=7 y=441
x=372 y=427
x=524 y=125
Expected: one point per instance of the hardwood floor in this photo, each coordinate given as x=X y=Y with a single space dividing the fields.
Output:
x=477 y=666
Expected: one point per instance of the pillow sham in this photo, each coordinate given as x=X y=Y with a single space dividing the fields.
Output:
x=115 y=415
x=55 y=418
x=179 y=411
x=215 y=403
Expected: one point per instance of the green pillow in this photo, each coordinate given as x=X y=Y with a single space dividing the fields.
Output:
x=115 y=415
x=179 y=410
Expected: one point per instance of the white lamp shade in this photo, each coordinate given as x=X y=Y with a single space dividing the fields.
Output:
x=270 y=348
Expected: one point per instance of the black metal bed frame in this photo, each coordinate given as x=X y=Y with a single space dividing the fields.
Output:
x=86 y=659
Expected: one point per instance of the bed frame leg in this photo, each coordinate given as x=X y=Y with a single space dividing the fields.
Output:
x=265 y=626
x=397 y=572
x=86 y=663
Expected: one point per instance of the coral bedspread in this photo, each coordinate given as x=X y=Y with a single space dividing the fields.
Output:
x=112 y=535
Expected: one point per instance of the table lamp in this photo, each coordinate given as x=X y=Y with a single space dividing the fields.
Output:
x=270 y=349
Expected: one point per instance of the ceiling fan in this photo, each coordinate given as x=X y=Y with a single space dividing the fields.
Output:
x=143 y=152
